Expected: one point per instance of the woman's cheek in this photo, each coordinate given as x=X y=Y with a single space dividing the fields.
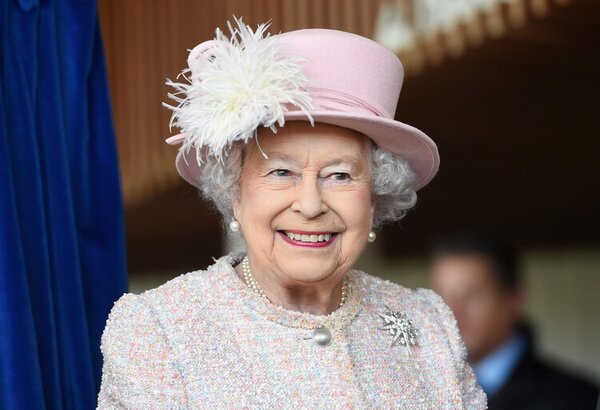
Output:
x=263 y=205
x=355 y=205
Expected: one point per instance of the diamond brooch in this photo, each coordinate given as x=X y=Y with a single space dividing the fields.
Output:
x=400 y=327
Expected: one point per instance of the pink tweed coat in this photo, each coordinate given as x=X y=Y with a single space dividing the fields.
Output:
x=205 y=340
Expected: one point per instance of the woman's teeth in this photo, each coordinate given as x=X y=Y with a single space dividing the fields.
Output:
x=308 y=238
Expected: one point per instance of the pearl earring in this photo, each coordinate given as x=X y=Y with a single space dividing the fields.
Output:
x=372 y=236
x=234 y=226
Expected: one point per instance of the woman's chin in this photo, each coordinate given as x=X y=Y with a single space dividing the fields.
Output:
x=307 y=264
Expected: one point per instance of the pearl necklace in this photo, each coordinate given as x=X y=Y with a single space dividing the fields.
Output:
x=251 y=281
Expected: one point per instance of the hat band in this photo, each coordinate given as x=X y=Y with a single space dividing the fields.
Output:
x=338 y=101
x=325 y=99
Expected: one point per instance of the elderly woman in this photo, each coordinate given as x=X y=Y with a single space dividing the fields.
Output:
x=292 y=138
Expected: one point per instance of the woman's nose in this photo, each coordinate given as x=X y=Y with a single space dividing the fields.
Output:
x=309 y=200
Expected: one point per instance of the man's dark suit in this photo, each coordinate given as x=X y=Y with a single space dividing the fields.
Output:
x=537 y=385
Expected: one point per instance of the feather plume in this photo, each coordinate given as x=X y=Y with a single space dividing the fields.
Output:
x=234 y=85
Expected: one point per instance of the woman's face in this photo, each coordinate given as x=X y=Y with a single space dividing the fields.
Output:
x=306 y=210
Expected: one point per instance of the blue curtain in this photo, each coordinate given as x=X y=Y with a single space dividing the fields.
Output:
x=62 y=258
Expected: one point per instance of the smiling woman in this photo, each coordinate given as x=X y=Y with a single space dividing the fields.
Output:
x=292 y=138
x=311 y=182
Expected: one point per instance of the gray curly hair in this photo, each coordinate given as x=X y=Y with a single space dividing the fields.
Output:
x=392 y=183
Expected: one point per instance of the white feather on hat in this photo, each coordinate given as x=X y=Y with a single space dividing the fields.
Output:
x=235 y=85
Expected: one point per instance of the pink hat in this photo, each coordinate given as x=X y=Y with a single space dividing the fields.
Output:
x=351 y=81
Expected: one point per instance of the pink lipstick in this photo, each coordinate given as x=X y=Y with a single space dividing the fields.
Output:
x=308 y=239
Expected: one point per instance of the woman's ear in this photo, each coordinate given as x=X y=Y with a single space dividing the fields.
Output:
x=236 y=209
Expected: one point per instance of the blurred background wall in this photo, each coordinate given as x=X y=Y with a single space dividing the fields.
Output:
x=509 y=92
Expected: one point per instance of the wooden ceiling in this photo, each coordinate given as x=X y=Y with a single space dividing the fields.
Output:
x=515 y=120
x=516 y=123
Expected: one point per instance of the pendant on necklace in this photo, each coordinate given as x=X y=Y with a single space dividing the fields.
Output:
x=400 y=327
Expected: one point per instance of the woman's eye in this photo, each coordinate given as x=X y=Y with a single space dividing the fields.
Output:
x=281 y=172
x=341 y=176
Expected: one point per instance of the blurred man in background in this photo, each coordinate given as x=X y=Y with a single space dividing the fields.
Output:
x=479 y=279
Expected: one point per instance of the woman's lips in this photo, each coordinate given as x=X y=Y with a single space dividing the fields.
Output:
x=308 y=239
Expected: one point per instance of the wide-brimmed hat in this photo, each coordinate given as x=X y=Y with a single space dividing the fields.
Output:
x=325 y=76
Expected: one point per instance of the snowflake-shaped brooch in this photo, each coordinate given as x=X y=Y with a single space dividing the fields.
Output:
x=400 y=327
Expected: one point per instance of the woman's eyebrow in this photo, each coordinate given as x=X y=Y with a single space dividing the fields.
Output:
x=353 y=162
x=281 y=156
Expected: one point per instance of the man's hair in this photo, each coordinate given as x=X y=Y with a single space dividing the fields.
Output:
x=501 y=254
